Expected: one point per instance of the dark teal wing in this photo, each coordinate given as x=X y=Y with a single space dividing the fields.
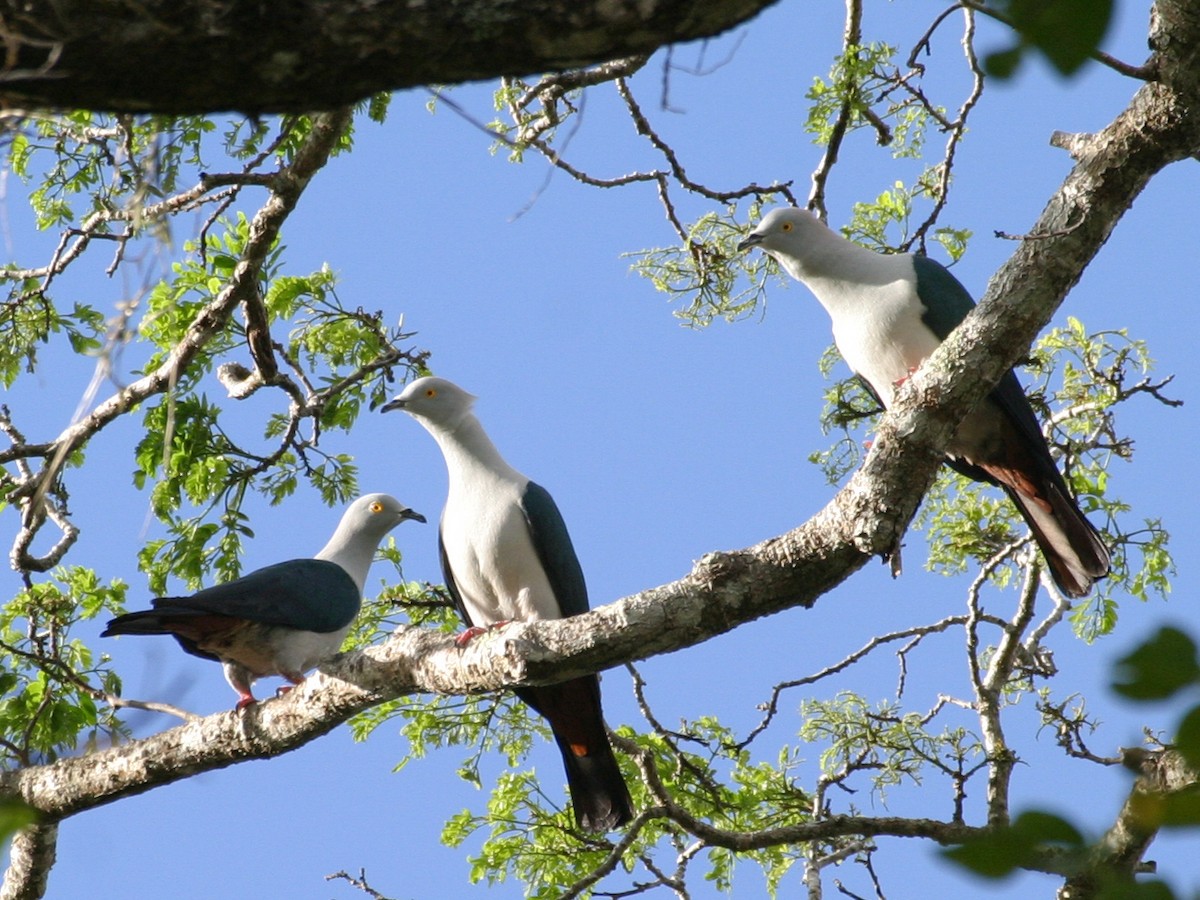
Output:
x=946 y=301
x=553 y=546
x=451 y=585
x=306 y=594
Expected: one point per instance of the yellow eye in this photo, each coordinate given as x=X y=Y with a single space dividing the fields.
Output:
x=430 y=392
x=376 y=507
x=786 y=226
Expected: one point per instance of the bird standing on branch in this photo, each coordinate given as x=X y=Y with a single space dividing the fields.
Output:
x=506 y=556
x=284 y=619
x=889 y=313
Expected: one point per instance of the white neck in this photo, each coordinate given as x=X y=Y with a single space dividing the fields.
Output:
x=836 y=269
x=349 y=550
x=469 y=451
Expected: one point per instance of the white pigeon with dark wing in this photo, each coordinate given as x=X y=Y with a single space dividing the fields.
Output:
x=283 y=619
x=889 y=313
x=506 y=556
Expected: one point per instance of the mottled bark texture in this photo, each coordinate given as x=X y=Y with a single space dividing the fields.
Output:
x=196 y=56
x=865 y=519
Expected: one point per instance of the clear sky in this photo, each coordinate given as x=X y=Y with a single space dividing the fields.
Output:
x=660 y=443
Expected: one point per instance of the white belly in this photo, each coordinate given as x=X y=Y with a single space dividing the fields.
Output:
x=880 y=335
x=493 y=561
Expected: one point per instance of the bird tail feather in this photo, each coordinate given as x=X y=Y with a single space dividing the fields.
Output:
x=1076 y=556
x=143 y=622
x=599 y=794
x=598 y=791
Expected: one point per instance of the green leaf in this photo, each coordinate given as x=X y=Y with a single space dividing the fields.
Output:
x=15 y=815
x=1004 y=850
x=1066 y=32
x=1154 y=810
x=1158 y=668
x=1187 y=739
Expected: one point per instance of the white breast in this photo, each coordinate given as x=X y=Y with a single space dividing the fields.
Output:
x=877 y=326
x=491 y=554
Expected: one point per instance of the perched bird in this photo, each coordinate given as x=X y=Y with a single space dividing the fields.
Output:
x=506 y=556
x=889 y=313
x=281 y=620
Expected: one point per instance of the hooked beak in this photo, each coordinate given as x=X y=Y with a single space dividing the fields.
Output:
x=411 y=514
x=394 y=404
x=751 y=240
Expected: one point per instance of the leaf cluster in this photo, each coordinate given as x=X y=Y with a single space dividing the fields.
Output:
x=52 y=683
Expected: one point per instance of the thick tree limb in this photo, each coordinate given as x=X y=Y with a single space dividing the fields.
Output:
x=30 y=859
x=198 y=56
x=725 y=589
x=286 y=187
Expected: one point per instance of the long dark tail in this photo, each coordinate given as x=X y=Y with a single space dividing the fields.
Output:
x=599 y=794
x=147 y=621
x=1076 y=556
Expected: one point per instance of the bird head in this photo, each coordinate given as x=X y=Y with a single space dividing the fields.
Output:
x=434 y=400
x=377 y=514
x=786 y=234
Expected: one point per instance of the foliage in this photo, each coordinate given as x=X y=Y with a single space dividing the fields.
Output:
x=116 y=184
x=1066 y=32
x=52 y=684
x=710 y=798
x=707 y=274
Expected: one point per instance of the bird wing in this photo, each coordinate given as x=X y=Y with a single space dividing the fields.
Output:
x=945 y=299
x=305 y=594
x=946 y=304
x=451 y=585
x=553 y=546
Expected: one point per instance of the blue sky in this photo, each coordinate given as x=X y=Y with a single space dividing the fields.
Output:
x=660 y=443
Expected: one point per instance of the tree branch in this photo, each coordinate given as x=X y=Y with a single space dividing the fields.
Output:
x=198 y=56
x=1118 y=855
x=724 y=590
x=30 y=859
x=242 y=288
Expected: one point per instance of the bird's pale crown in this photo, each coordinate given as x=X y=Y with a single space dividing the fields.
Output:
x=805 y=246
x=434 y=399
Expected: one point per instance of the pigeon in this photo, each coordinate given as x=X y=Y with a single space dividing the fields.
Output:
x=506 y=556
x=284 y=619
x=889 y=313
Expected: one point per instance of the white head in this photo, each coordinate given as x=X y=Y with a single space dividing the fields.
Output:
x=793 y=236
x=435 y=401
x=358 y=535
x=372 y=516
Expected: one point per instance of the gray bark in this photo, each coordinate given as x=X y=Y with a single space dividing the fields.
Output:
x=198 y=56
x=865 y=519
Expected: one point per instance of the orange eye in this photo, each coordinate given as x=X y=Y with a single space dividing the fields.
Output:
x=786 y=226
x=376 y=507
x=430 y=392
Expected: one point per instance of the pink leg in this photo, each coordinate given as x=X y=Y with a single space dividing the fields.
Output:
x=474 y=631
x=294 y=677
x=240 y=680
x=911 y=371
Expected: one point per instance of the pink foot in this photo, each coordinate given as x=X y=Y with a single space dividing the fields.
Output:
x=911 y=371
x=294 y=677
x=244 y=701
x=467 y=636
x=474 y=631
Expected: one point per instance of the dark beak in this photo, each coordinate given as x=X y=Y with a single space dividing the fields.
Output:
x=393 y=404
x=411 y=514
x=752 y=240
